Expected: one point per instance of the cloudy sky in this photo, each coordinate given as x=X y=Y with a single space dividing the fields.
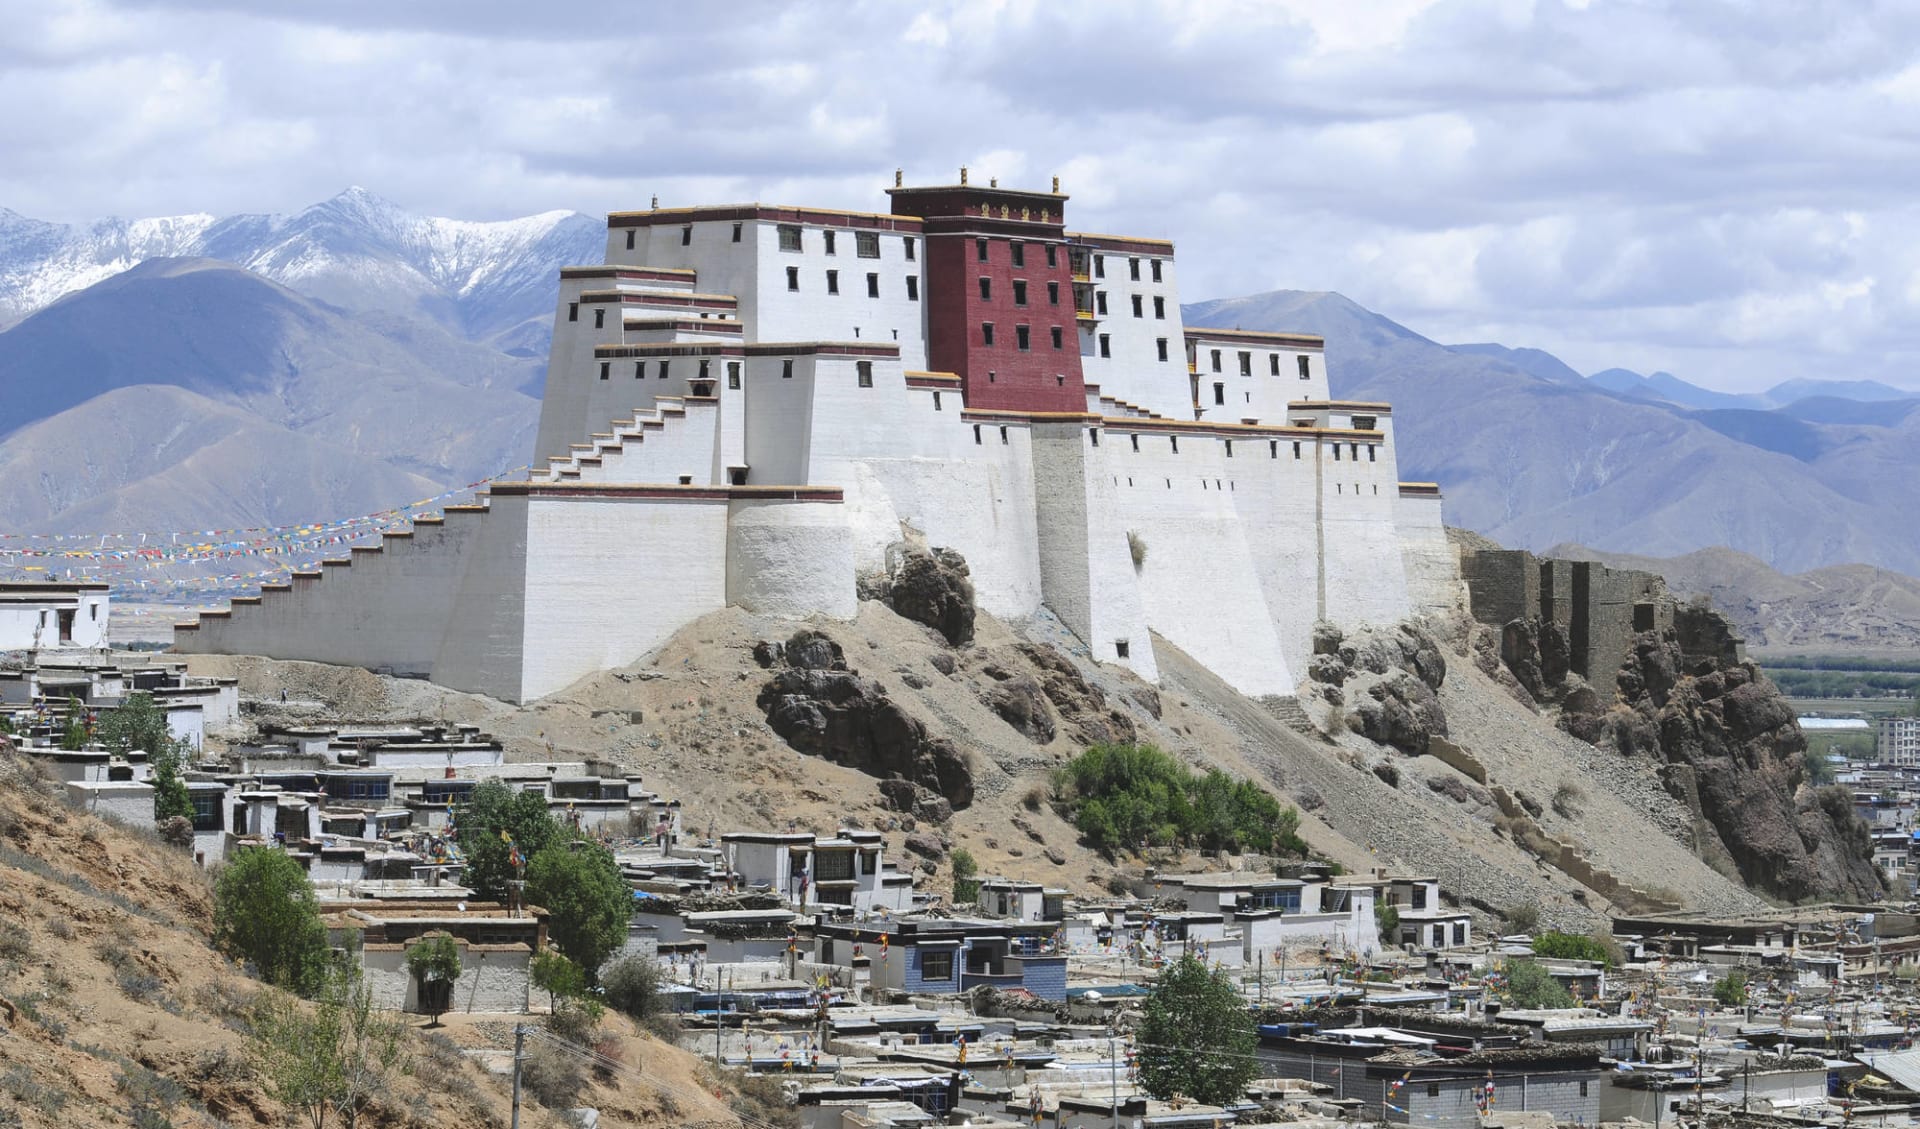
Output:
x=1723 y=189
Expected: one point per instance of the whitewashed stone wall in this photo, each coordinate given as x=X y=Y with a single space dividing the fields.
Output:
x=129 y=802
x=493 y=978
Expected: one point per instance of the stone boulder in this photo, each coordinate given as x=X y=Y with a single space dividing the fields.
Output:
x=916 y=800
x=1020 y=702
x=934 y=587
x=1083 y=707
x=832 y=712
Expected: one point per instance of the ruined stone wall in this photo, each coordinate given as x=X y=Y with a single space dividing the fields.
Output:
x=1596 y=609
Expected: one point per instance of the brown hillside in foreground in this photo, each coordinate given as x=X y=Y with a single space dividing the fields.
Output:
x=112 y=998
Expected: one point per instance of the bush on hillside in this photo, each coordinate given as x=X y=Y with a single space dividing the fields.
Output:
x=1531 y=986
x=264 y=913
x=1123 y=796
x=1572 y=946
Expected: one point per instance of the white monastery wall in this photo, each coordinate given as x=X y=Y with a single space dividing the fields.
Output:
x=1087 y=572
x=483 y=643
x=1255 y=379
x=1428 y=558
x=1134 y=372
x=790 y=558
x=1363 y=576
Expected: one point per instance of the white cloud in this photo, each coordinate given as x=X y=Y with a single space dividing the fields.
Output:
x=1707 y=187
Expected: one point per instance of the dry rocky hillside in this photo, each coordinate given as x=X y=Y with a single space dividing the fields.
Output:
x=115 y=1010
x=942 y=730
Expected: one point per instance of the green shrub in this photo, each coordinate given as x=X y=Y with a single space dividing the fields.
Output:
x=1572 y=946
x=631 y=986
x=264 y=913
x=1531 y=986
x=1123 y=796
x=1731 y=990
x=580 y=884
x=966 y=888
x=1522 y=917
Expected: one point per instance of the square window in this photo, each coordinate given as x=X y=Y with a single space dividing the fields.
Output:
x=1019 y=292
x=826 y=238
x=986 y=289
x=1159 y=307
x=1106 y=345
x=1139 y=306
x=1133 y=269
x=980 y=249
x=907 y=242
x=873 y=286
x=865 y=371
x=793 y=278
x=913 y=288
x=936 y=966
x=1053 y=293
x=736 y=232
x=1120 y=648
x=1059 y=338
x=833 y=281
x=1156 y=270
x=1020 y=337
x=790 y=237
x=986 y=333
x=1162 y=344
x=866 y=244
x=1019 y=254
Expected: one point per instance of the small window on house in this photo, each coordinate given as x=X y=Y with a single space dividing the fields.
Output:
x=1106 y=345
x=1433 y=1089
x=1133 y=269
x=833 y=282
x=1019 y=254
x=865 y=371
x=736 y=231
x=1059 y=338
x=1371 y=450
x=1353 y=451
x=790 y=237
x=606 y=369
x=1296 y=448
x=1216 y=360
x=573 y=311
x=639 y=370
x=1051 y=261
x=1100 y=302
x=1136 y=441
x=1099 y=266
x=873 y=286
x=1583 y=1089
x=664 y=368
x=986 y=333
x=600 y=318
x=1273 y=448
x=1003 y=436
x=1159 y=307
x=936 y=966
x=733 y=374
x=629 y=239
x=1246 y=364
x=986 y=289
x=1306 y=371
x=976 y=435
x=793 y=278
x=1219 y=393
x=907 y=242
x=1273 y=363
x=992 y=377
x=1019 y=292
x=866 y=244
x=686 y=234
x=1336 y=452
x=1093 y=433
x=826 y=240
x=1229 y=448
x=1139 y=306
x=1053 y=293
x=980 y=250
x=1156 y=269
x=1120 y=648
x=1161 y=343
x=936 y=401
x=786 y=369
x=913 y=288
x=1021 y=336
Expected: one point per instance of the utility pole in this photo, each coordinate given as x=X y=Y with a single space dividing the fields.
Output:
x=519 y=1049
x=1113 y=1074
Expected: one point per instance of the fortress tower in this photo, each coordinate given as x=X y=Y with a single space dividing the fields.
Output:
x=747 y=404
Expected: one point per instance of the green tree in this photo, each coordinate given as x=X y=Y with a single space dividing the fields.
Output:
x=74 y=737
x=328 y=1058
x=631 y=986
x=264 y=913
x=558 y=977
x=494 y=808
x=580 y=884
x=1197 y=1036
x=1572 y=946
x=1121 y=796
x=1731 y=990
x=966 y=887
x=139 y=723
x=434 y=959
x=1386 y=919
x=1529 y=985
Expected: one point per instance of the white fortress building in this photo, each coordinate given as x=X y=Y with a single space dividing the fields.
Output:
x=748 y=404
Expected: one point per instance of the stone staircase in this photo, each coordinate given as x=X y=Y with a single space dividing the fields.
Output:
x=1288 y=711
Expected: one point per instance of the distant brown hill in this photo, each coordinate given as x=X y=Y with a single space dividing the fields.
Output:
x=1840 y=607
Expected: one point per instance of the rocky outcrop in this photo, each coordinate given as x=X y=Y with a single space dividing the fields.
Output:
x=1718 y=734
x=823 y=709
x=930 y=586
x=1020 y=702
x=1385 y=678
x=1086 y=713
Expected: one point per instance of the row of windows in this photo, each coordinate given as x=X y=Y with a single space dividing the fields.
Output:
x=1216 y=484
x=866 y=244
x=1019 y=291
x=1273 y=363
x=665 y=368
x=1133 y=267
x=1273 y=448
x=873 y=283
x=1023 y=336
x=1018 y=252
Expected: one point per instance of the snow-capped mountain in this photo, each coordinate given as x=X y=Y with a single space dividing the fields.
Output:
x=487 y=282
